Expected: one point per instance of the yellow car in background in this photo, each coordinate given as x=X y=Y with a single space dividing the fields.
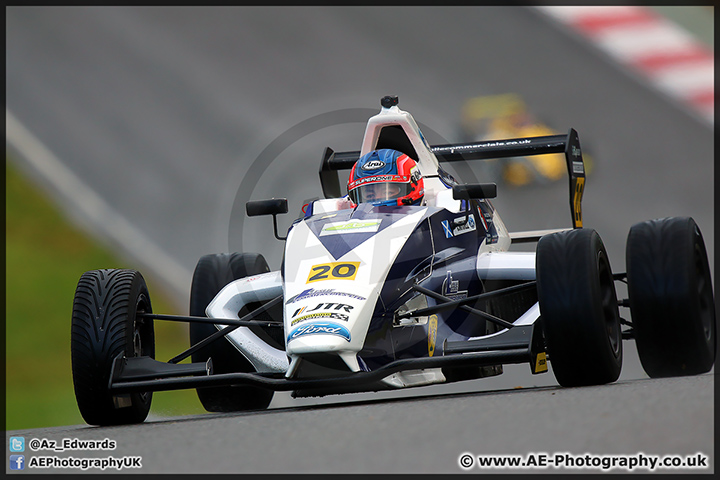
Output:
x=503 y=116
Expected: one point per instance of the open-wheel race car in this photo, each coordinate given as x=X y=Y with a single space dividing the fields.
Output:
x=403 y=293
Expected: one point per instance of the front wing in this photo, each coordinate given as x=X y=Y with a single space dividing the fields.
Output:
x=519 y=342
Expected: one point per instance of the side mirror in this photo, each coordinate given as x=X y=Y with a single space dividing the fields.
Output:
x=474 y=190
x=268 y=207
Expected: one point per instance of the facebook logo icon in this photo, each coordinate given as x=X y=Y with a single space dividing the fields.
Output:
x=17 y=462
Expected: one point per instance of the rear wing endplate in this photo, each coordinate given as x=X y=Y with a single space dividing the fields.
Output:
x=568 y=144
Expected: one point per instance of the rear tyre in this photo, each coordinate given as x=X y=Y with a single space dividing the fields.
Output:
x=578 y=308
x=106 y=323
x=671 y=297
x=211 y=274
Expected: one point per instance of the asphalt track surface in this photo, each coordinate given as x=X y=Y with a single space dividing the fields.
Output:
x=164 y=112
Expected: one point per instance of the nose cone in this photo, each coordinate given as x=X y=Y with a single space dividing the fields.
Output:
x=335 y=268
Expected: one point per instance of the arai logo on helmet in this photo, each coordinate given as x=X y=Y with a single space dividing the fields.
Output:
x=320 y=328
x=373 y=165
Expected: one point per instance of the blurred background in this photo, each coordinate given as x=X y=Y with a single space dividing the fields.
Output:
x=135 y=135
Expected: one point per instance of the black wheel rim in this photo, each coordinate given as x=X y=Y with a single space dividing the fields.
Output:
x=609 y=305
x=142 y=335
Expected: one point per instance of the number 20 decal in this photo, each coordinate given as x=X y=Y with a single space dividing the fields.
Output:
x=333 y=271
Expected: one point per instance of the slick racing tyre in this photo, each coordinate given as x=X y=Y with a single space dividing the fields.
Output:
x=211 y=274
x=106 y=322
x=671 y=297
x=578 y=308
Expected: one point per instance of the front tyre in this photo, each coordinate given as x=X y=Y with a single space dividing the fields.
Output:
x=578 y=308
x=107 y=322
x=212 y=273
x=671 y=297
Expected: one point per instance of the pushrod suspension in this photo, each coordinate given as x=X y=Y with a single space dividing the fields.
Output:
x=221 y=333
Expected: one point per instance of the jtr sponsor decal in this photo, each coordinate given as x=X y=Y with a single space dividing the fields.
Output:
x=350 y=226
x=325 y=305
x=333 y=315
x=333 y=271
x=326 y=328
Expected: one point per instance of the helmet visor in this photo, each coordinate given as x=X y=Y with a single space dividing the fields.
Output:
x=379 y=192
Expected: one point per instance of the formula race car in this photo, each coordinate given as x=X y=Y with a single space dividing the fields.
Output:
x=373 y=297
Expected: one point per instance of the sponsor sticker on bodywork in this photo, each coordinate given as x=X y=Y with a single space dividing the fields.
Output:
x=333 y=315
x=325 y=328
x=450 y=230
x=469 y=226
x=540 y=363
x=432 y=334
x=317 y=292
x=325 y=305
x=321 y=316
x=451 y=288
x=333 y=271
x=350 y=226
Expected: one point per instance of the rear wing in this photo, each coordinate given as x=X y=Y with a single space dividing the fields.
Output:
x=568 y=144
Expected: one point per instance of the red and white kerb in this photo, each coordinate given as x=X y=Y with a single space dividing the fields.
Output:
x=669 y=56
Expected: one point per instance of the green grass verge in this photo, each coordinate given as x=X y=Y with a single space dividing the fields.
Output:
x=45 y=257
